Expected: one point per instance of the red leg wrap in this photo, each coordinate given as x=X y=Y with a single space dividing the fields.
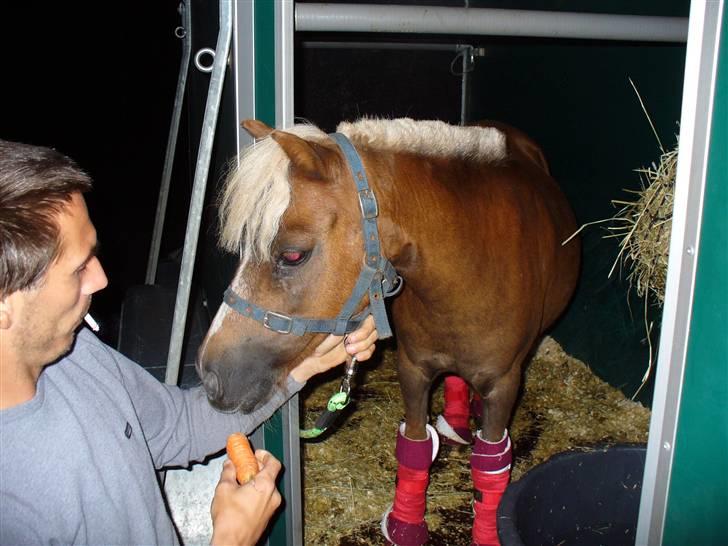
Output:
x=404 y=524
x=490 y=465
x=457 y=402
x=490 y=488
x=409 y=496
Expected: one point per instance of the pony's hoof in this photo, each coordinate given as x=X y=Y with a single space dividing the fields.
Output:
x=401 y=533
x=453 y=435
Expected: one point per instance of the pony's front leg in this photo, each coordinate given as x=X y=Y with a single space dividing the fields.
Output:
x=417 y=444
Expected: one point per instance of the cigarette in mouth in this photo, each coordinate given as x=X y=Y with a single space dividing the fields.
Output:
x=91 y=322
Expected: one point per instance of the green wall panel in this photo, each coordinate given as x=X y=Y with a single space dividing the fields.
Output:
x=265 y=111
x=698 y=495
x=265 y=81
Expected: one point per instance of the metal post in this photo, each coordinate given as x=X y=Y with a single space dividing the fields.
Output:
x=695 y=119
x=186 y=37
x=468 y=61
x=198 y=192
x=485 y=21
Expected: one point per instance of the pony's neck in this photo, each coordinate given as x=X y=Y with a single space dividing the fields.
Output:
x=396 y=211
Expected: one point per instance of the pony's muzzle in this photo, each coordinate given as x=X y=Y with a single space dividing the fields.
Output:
x=235 y=383
x=213 y=386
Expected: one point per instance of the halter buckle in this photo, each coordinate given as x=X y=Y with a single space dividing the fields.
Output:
x=368 y=204
x=277 y=316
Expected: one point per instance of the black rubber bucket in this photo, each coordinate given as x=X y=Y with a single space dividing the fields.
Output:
x=580 y=498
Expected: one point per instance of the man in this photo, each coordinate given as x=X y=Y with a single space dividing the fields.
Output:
x=82 y=432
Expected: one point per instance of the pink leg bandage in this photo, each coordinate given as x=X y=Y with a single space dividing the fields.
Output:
x=404 y=524
x=454 y=423
x=409 y=495
x=457 y=402
x=490 y=467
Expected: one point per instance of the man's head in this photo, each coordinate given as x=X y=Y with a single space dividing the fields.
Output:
x=48 y=264
x=35 y=184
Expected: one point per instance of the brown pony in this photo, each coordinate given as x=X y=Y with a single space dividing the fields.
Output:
x=472 y=221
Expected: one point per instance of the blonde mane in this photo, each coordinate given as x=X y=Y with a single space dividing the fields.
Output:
x=429 y=138
x=257 y=191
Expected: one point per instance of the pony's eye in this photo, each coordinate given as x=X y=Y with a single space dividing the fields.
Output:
x=292 y=257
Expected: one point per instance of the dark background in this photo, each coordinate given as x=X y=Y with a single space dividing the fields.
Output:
x=97 y=82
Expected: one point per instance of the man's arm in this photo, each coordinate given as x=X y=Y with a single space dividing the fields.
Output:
x=181 y=427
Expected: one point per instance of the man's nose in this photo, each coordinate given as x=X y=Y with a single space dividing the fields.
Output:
x=96 y=278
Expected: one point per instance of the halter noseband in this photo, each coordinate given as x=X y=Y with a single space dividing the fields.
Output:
x=377 y=276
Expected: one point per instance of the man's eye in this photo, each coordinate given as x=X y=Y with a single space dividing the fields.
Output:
x=292 y=257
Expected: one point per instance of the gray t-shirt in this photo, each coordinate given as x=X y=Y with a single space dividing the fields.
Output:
x=77 y=462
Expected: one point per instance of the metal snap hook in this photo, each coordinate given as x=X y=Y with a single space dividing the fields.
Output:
x=198 y=57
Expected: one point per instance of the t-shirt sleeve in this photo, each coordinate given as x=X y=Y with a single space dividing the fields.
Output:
x=179 y=425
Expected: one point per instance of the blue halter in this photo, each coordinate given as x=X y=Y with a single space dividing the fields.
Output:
x=377 y=276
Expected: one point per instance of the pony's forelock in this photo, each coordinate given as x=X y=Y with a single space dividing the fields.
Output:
x=255 y=196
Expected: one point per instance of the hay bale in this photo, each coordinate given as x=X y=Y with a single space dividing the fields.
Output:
x=348 y=477
x=644 y=227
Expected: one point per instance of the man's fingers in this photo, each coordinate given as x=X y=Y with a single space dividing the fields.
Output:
x=268 y=463
x=363 y=346
x=356 y=342
x=365 y=354
x=265 y=480
x=228 y=481
x=363 y=332
x=328 y=344
x=228 y=472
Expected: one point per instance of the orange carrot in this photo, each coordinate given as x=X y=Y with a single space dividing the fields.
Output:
x=241 y=454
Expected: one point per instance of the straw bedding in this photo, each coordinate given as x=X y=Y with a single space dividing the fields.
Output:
x=349 y=475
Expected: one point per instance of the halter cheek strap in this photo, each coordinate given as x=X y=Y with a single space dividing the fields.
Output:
x=378 y=276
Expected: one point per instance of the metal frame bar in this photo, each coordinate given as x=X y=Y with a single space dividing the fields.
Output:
x=695 y=125
x=202 y=169
x=243 y=55
x=153 y=259
x=284 y=40
x=485 y=21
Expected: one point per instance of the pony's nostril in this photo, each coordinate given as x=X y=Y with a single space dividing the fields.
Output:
x=211 y=381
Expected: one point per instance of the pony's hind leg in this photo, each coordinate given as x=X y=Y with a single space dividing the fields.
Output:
x=490 y=462
x=417 y=444
x=454 y=423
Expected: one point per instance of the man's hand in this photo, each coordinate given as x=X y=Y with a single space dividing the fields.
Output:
x=336 y=349
x=240 y=513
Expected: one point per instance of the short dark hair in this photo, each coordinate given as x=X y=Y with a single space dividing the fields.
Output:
x=35 y=184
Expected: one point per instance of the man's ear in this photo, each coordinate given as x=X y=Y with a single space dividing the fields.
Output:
x=9 y=306
x=6 y=312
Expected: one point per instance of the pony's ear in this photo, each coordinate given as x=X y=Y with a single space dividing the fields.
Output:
x=305 y=156
x=257 y=129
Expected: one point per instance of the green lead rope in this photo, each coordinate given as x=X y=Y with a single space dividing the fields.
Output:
x=334 y=406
